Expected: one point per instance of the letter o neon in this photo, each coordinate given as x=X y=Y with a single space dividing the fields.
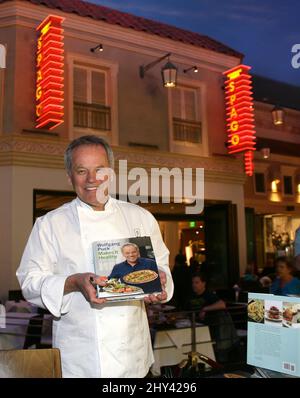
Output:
x=235 y=139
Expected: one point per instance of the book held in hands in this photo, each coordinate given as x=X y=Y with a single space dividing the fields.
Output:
x=128 y=269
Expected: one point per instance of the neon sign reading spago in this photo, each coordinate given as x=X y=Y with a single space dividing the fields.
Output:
x=240 y=114
x=50 y=73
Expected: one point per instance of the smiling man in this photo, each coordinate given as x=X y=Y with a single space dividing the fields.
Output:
x=84 y=170
x=96 y=338
x=133 y=262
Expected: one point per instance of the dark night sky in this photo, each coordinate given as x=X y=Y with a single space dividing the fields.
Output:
x=263 y=30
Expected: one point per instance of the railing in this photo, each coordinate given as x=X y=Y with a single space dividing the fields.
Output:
x=92 y=116
x=225 y=339
x=186 y=130
x=23 y=330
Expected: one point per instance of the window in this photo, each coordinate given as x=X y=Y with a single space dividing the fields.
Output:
x=260 y=183
x=288 y=185
x=185 y=115
x=90 y=99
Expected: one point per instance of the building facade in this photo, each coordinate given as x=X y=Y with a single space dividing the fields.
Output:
x=147 y=124
x=272 y=195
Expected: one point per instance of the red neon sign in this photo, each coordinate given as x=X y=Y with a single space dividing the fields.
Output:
x=50 y=73
x=240 y=114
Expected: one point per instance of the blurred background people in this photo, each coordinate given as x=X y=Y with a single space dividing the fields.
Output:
x=285 y=282
x=269 y=268
x=249 y=281
x=211 y=310
x=181 y=279
x=202 y=299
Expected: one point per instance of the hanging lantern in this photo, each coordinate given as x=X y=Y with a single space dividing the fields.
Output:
x=169 y=75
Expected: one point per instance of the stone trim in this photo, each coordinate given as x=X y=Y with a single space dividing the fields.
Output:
x=48 y=153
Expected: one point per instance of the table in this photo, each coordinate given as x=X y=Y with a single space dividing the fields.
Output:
x=12 y=336
x=20 y=306
x=171 y=346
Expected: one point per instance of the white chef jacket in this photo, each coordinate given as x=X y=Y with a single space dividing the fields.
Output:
x=110 y=340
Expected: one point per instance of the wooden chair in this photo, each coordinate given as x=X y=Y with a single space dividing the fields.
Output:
x=44 y=363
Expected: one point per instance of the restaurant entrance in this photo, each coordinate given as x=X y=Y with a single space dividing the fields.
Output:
x=209 y=237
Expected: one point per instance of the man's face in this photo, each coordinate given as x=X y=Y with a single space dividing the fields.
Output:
x=198 y=285
x=87 y=160
x=131 y=254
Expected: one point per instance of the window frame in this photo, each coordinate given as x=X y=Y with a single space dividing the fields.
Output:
x=292 y=185
x=111 y=95
x=89 y=70
x=186 y=147
x=265 y=184
x=194 y=91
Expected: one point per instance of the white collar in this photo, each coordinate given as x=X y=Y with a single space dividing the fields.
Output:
x=84 y=205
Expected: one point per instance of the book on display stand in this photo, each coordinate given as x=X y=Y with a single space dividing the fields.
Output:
x=273 y=345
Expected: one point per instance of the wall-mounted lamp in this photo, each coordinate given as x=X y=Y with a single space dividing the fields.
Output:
x=98 y=48
x=274 y=176
x=297 y=180
x=168 y=71
x=2 y=56
x=194 y=68
x=265 y=153
x=274 y=185
x=278 y=115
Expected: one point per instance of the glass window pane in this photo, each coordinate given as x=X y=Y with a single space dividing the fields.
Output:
x=98 y=88
x=176 y=102
x=260 y=182
x=190 y=105
x=288 y=185
x=80 y=85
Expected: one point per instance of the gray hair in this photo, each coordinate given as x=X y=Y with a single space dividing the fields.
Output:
x=87 y=140
x=130 y=244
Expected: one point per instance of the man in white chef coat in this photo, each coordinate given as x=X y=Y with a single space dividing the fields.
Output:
x=96 y=338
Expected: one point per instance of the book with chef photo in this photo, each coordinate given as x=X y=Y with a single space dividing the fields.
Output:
x=127 y=268
x=274 y=332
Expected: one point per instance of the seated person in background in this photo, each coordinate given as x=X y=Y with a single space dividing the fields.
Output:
x=249 y=281
x=269 y=268
x=266 y=282
x=212 y=311
x=285 y=283
x=250 y=275
x=203 y=300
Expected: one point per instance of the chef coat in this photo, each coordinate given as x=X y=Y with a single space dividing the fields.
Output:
x=109 y=340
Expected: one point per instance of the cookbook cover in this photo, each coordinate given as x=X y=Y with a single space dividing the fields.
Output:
x=128 y=268
x=274 y=333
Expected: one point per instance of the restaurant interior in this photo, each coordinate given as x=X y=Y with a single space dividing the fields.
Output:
x=183 y=344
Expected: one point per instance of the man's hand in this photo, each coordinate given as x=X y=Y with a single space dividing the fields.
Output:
x=202 y=314
x=86 y=284
x=152 y=298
